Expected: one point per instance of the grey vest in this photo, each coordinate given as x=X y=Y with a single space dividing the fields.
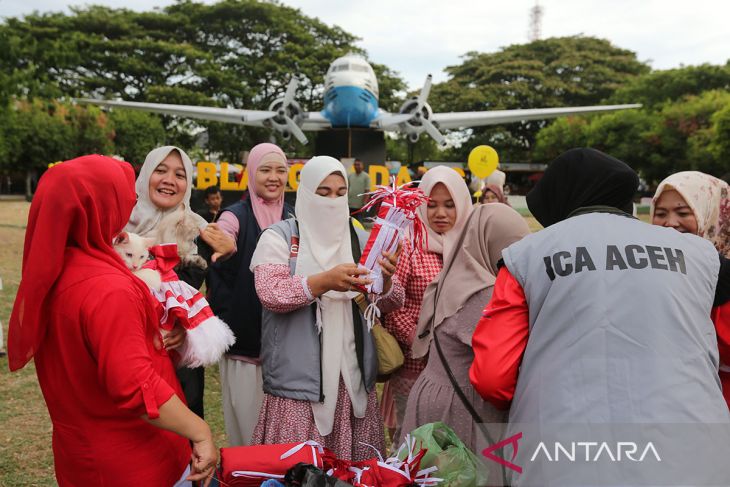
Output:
x=620 y=327
x=291 y=347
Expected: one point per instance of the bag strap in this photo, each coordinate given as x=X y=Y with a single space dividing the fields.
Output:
x=356 y=318
x=459 y=392
x=354 y=243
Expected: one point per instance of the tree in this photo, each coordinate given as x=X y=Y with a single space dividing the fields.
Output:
x=720 y=146
x=135 y=134
x=685 y=134
x=90 y=128
x=258 y=47
x=399 y=148
x=690 y=134
x=47 y=132
x=560 y=136
x=667 y=86
x=567 y=71
x=626 y=135
x=8 y=139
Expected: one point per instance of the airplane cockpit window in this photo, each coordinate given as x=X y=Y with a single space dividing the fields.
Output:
x=360 y=67
x=341 y=67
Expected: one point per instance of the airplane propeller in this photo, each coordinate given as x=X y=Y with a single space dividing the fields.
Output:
x=421 y=112
x=288 y=113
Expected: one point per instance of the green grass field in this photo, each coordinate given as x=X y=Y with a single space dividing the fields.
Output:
x=25 y=428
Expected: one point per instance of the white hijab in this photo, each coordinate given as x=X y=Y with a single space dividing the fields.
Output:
x=146 y=216
x=324 y=242
x=441 y=243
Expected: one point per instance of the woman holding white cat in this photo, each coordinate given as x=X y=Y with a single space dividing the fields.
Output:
x=163 y=212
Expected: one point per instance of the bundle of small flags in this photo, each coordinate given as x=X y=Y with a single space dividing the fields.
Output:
x=396 y=220
x=390 y=472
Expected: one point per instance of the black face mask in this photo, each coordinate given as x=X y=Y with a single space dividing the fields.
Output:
x=580 y=178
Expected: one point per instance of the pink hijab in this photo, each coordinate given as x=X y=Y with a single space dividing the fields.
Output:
x=266 y=212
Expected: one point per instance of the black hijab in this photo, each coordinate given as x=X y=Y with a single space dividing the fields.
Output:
x=579 y=178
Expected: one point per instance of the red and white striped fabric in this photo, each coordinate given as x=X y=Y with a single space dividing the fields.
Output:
x=250 y=466
x=208 y=337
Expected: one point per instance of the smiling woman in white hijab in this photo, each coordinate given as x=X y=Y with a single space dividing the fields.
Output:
x=160 y=193
x=162 y=212
x=316 y=350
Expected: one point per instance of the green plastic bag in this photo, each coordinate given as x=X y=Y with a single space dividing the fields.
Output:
x=457 y=465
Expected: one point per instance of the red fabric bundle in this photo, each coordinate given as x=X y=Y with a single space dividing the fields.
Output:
x=208 y=337
x=180 y=302
x=396 y=217
x=376 y=472
x=249 y=466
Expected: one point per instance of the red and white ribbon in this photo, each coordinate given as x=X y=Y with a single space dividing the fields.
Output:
x=316 y=448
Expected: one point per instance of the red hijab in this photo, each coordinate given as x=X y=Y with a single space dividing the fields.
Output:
x=81 y=203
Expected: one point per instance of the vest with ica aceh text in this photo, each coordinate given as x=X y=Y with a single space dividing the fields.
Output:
x=620 y=328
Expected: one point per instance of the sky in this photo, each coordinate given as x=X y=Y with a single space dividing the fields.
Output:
x=418 y=37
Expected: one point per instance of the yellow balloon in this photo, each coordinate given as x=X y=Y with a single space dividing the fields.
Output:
x=483 y=160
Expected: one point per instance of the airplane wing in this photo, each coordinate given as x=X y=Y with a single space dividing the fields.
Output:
x=389 y=121
x=310 y=121
x=454 y=120
x=314 y=121
x=229 y=115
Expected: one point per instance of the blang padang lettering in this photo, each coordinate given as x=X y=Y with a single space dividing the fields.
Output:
x=593 y=451
x=615 y=258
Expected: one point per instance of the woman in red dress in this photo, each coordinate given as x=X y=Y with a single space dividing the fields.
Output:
x=91 y=326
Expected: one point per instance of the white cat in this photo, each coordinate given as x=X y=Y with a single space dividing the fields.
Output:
x=133 y=250
x=207 y=336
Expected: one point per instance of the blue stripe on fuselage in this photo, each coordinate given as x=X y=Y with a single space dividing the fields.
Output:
x=350 y=106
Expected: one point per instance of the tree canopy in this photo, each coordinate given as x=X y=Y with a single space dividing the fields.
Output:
x=667 y=86
x=36 y=133
x=689 y=134
x=566 y=71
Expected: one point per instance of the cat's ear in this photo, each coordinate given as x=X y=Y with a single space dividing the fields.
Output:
x=148 y=242
x=122 y=238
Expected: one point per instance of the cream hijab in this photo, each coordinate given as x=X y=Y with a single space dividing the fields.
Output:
x=324 y=242
x=442 y=243
x=146 y=216
x=472 y=268
x=707 y=196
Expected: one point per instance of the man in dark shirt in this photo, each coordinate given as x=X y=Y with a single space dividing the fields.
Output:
x=213 y=199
